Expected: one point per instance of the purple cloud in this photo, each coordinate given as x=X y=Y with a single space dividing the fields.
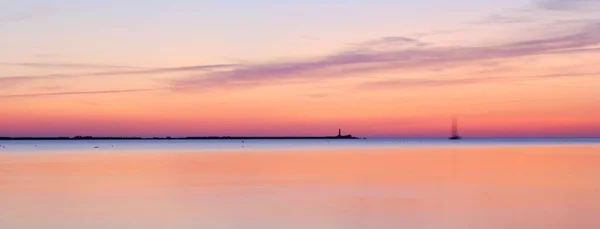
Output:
x=345 y=64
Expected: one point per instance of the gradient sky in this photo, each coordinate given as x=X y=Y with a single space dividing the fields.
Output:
x=372 y=68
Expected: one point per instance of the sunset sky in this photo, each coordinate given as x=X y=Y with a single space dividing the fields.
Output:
x=289 y=67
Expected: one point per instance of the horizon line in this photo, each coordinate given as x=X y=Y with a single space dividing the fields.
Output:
x=84 y=137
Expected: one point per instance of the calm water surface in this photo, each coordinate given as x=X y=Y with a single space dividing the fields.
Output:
x=367 y=183
x=86 y=146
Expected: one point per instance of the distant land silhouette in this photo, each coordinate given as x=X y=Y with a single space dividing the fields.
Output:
x=339 y=136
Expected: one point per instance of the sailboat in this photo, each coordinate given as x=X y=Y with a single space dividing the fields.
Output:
x=454 y=131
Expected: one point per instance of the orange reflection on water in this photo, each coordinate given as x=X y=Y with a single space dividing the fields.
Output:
x=469 y=187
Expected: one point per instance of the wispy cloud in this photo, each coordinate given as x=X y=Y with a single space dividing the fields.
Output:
x=403 y=83
x=167 y=70
x=400 y=83
x=390 y=42
x=49 y=55
x=12 y=80
x=15 y=18
x=439 y=32
x=70 y=65
x=503 y=19
x=20 y=13
x=77 y=93
x=530 y=13
x=50 y=88
x=347 y=63
x=568 y=5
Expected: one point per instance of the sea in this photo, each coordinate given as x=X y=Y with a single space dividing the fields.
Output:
x=305 y=183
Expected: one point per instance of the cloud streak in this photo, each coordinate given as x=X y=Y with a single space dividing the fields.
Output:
x=348 y=63
x=166 y=70
x=12 y=80
x=403 y=83
x=503 y=19
x=69 y=65
x=390 y=42
x=399 y=83
x=568 y=5
x=76 y=93
x=36 y=11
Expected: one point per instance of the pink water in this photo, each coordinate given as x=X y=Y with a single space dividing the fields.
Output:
x=436 y=187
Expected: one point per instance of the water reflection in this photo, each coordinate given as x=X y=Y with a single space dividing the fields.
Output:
x=437 y=187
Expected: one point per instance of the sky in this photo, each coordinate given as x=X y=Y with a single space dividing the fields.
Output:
x=514 y=68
